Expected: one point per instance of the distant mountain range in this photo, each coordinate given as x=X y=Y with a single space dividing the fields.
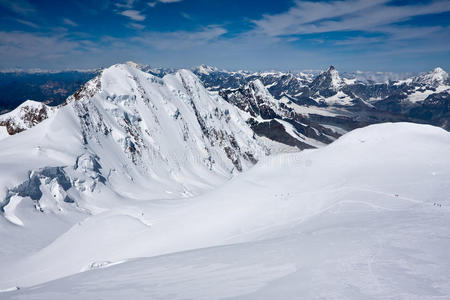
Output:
x=299 y=109
x=53 y=87
x=49 y=87
x=353 y=103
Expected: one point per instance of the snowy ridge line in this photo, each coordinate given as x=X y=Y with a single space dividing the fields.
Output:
x=126 y=125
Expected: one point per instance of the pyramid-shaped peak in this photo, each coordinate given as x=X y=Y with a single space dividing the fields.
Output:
x=328 y=80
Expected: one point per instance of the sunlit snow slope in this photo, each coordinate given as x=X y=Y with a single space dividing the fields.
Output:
x=127 y=134
x=363 y=218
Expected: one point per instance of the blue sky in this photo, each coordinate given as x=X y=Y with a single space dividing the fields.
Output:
x=369 y=35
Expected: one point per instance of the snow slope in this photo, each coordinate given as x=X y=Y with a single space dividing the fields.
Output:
x=168 y=137
x=125 y=137
x=363 y=218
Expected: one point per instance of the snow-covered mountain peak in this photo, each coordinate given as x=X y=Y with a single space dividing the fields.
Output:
x=434 y=78
x=440 y=73
x=177 y=103
x=205 y=69
x=114 y=79
x=166 y=136
x=253 y=98
x=187 y=75
x=260 y=92
x=327 y=83
x=258 y=87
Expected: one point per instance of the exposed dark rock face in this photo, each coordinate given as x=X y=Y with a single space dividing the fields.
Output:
x=392 y=103
x=11 y=128
x=282 y=84
x=344 y=122
x=247 y=100
x=217 y=80
x=255 y=99
x=24 y=117
x=373 y=91
x=275 y=131
x=87 y=90
x=435 y=109
x=279 y=84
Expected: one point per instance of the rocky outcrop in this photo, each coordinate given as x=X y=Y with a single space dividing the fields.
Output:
x=27 y=115
x=268 y=116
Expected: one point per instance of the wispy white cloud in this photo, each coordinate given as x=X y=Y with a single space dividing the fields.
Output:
x=17 y=44
x=308 y=17
x=69 y=22
x=136 y=26
x=154 y=3
x=276 y=41
x=133 y=14
x=20 y=49
x=181 y=39
x=28 y=23
x=21 y=7
x=370 y=30
x=59 y=50
x=125 y=3
x=186 y=16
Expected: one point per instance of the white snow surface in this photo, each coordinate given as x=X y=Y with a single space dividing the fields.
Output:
x=19 y=116
x=365 y=217
x=144 y=132
x=340 y=98
x=3 y=132
x=311 y=110
x=420 y=94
